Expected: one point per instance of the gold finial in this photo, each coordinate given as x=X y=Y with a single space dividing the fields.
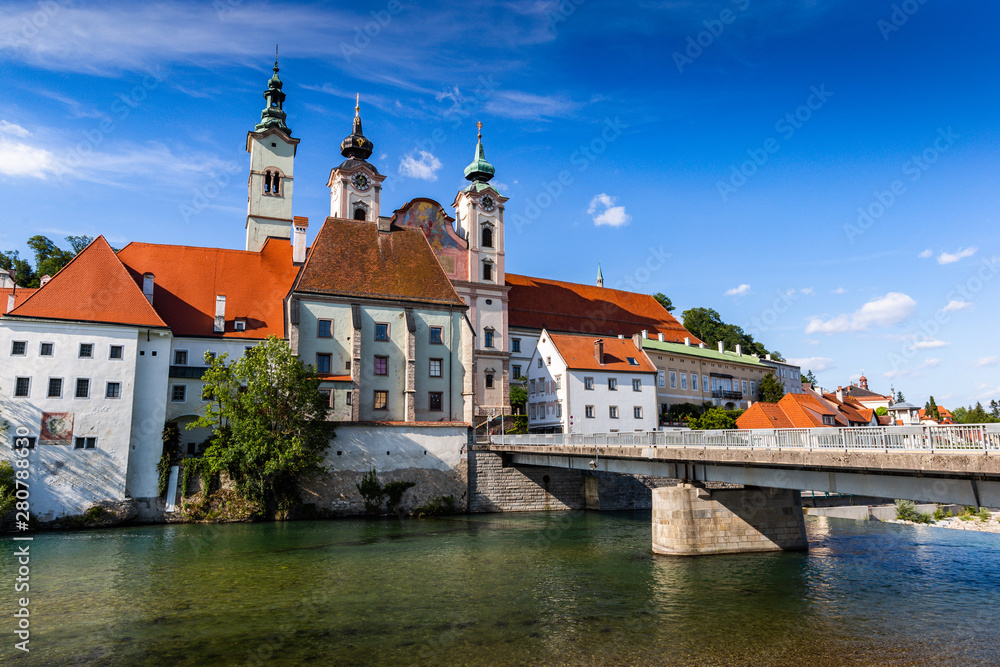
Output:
x=479 y=126
x=357 y=105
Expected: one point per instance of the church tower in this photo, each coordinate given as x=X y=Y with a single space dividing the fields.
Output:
x=355 y=185
x=272 y=154
x=479 y=218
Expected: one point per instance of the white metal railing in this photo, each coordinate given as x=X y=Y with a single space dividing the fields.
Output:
x=959 y=438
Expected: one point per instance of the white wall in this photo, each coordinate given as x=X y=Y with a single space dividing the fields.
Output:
x=602 y=398
x=395 y=447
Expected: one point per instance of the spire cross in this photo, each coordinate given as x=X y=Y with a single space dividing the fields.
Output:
x=357 y=105
x=479 y=126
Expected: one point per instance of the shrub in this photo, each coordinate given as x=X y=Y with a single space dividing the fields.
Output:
x=436 y=506
x=906 y=510
x=371 y=492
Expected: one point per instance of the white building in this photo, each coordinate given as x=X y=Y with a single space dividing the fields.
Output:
x=788 y=374
x=582 y=384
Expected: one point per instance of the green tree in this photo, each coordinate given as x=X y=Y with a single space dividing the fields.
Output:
x=811 y=378
x=270 y=422
x=715 y=418
x=78 y=243
x=899 y=397
x=49 y=258
x=8 y=494
x=770 y=390
x=11 y=259
x=995 y=409
x=664 y=301
x=706 y=324
x=518 y=397
x=683 y=411
x=931 y=410
x=881 y=411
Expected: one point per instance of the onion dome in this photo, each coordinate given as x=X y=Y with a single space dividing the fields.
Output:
x=356 y=145
x=273 y=115
x=479 y=169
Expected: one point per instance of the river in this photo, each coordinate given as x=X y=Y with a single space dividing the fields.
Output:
x=577 y=588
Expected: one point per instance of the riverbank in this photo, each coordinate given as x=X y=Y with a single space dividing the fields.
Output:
x=973 y=523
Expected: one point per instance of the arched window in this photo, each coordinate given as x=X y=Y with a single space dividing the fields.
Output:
x=360 y=213
x=487 y=236
x=487 y=270
x=267 y=182
x=272 y=182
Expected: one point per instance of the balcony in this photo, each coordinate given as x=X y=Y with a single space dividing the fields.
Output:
x=725 y=393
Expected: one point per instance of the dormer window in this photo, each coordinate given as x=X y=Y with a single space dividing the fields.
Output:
x=487 y=236
x=240 y=325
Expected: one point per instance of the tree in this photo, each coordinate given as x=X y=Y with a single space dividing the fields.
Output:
x=770 y=390
x=270 y=422
x=518 y=397
x=899 y=397
x=810 y=378
x=715 y=418
x=683 y=412
x=931 y=411
x=881 y=411
x=664 y=301
x=11 y=259
x=995 y=409
x=49 y=258
x=706 y=324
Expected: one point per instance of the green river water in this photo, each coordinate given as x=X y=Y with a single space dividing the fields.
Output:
x=513 y=589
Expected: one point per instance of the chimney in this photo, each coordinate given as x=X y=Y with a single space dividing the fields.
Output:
x=384 y=224
x=46 y=278
x=299 y=227
x=687 y=340
x=721 y=347
x=659 y=337
x=739 y=350
x=599 y=350
x=10 y=302
x=840 y=394
x=148 y=279
x=701 y=346
x=645 y=333
x=768 y=356
x=220 y=314
x=621 y=336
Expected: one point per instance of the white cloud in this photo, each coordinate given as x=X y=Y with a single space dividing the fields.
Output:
x=988 y=361
x=815 y=364
x=839 y=290
x=926 y=253
x=519 y=104
x=742 y=290
x=890 y=309
x=807 y=290
x=932 y=362
x=929 y=344
x=18 y=158
x=961 y=253
x=10 y=129
x=956 y=305
x=603 y=209
x=425 y=167
x=893 y=375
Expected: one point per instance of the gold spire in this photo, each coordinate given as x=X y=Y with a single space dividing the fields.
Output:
x=479 y=126
x=357 y=105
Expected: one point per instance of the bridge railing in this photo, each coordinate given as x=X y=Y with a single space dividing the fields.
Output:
x=958 y=438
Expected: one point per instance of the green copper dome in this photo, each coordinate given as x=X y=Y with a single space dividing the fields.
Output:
x=273 y=115
x=480 y=169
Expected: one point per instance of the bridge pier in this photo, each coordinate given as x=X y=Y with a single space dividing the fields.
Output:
x=689 y=520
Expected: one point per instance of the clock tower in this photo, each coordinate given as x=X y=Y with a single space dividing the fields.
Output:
x=355 y=185
x=479 y=215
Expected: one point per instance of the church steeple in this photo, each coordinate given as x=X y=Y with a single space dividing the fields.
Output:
x=600 y=276
x=356 y=145
x=273 y=114
x=479 y=170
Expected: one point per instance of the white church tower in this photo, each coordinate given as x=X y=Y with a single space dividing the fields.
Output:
x=355 y=185
x=479 y=211
x=272 y=154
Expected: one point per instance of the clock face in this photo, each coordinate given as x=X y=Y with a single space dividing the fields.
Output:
x=487 y=203
x=360 y=181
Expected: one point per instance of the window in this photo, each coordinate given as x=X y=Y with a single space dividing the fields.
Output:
x=744 y=386
x=694 y=382
x=515 y=371
x=381 y=399
x=487 y=270
x=435 y=368
x=704 y=383
x=684 y=381
x=436 y=338
x=534 y=411
x=84 y=443
x=55 y=388
x=673 y=379
x=22 y=387
x=347 y=365
x=324 y=329
x=548 y=361
x=515 y=344
x=350 y=399
x=82 y=388
x=753 y=388
x=589 y=412
x=381 y=331
x=113 y=390
x=178 y=393
x=487 y=236
x=180 y=357
x=434 y=401
x=381 y=365
x=86 y=350
x=558 y=410
x=18 y=348
x=539 y=362
x=323 y=361
x=829 y=420
x=531 y=385
x=21 y=442
x=632 y=361
x=613 y=411
x=588 y=383
x=488 y=337
x=559 y=382
x=637 y=412
x=636 y=385
x=240 y=325
x=45 y=350
x=116 y=352
x=612 y=384
x=661 y=378
x=329 y=396
x=489 y=380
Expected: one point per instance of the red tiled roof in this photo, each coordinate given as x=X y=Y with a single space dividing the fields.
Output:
x=187 y=280
x=578 y=353
x=764 y=415
x=805 y=410
x=850 y=415
x=353 y=258
x=539 y=303
x=20 y=295
x=93 y=287
x=942 y=412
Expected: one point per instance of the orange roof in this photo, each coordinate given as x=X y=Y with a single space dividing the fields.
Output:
x=353 y=258
x=20 y=295
x=849 y=413
x=578 y=352
x=805 y=410
x=187 y=280
x=539 y=303
x=942 y=412
x=764 y=415
x=93 y=287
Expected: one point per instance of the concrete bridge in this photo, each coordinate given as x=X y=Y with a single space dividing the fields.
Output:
x=945 y=464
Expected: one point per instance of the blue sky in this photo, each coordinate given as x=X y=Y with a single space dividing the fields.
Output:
x=823 y=174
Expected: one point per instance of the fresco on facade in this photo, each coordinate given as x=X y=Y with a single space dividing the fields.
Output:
x=57 y=428
x=430 y=218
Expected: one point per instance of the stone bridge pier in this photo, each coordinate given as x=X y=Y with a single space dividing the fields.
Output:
x=690 y=520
